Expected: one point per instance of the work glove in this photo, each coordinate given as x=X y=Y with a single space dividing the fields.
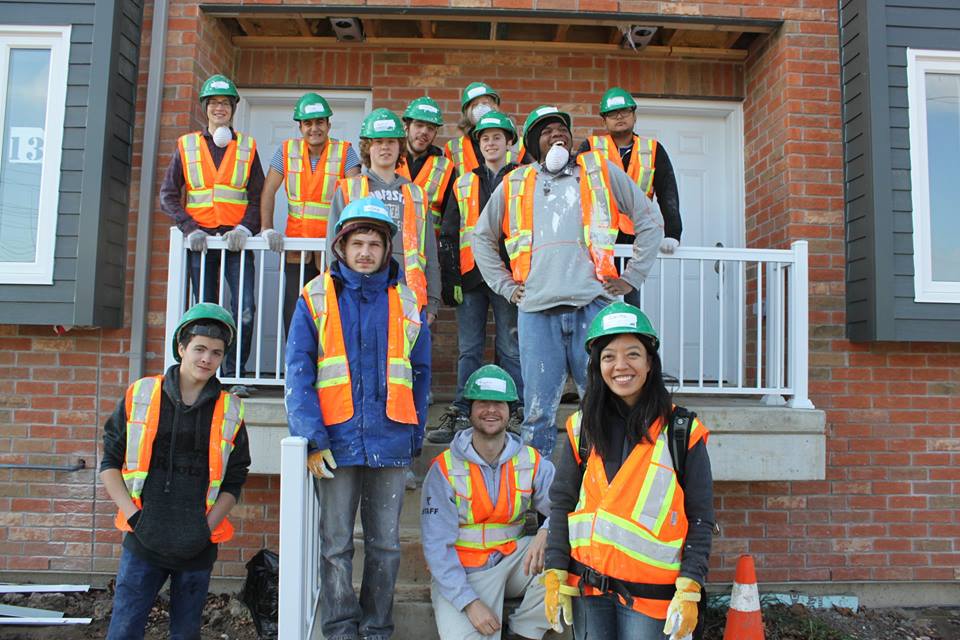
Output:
x=274 y=239
x=682 y=612
x=236 y=237
x=558 y=597
x=669 y=245
x=197 y=241
x=452 y=294
x=320 y=463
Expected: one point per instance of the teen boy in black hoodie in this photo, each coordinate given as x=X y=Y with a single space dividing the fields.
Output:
x=172 y=489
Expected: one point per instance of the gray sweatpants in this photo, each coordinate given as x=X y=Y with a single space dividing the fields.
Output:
x=492 y=585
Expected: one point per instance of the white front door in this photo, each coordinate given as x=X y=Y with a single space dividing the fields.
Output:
x=704 y=141
x=267 y=115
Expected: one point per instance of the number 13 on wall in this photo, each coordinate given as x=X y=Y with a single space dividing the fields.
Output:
x=26 y=145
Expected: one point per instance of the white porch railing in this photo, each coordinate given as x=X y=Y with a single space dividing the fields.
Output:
x=299 y=543
x=731 y=321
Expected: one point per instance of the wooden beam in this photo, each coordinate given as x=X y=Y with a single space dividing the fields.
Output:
x=731 y=40
x=561 y=33
x=493 y=30
x=303 y=27
x=673 y=38
x=616 y=36
x=426 y=28
x=370 y=28
x=250 y=27
x=742 y=27
x=652 y=51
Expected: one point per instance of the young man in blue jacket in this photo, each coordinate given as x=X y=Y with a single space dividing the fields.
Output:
x=358 y=374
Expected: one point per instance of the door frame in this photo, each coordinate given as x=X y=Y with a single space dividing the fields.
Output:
x=732 y=114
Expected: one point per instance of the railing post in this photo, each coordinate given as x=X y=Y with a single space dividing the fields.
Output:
x=293 y=500
x=799 y=327
x=176 y=291
x=772 y=308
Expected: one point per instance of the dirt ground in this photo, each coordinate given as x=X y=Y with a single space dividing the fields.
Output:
x=227 y=618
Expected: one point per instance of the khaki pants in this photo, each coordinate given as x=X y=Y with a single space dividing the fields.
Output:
x=492 y=585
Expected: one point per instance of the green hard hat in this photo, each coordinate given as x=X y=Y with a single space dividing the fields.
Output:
x=615 y=99
x=496 y=120
x=490 y=382
x=311 y=106
x=541 y=113
x=368 y=208
x=382 y=123
x=476 y=89
x=218 y=85
x=205 y=311
x=424 y=109
x=620 y=317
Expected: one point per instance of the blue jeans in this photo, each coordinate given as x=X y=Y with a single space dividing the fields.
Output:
x=603 y=618
x=551 y=346
x=379 y=493
x=137 y=586
x=472 y=336
x=211 y=293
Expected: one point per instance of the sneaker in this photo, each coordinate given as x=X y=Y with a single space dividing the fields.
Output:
x=450 y=422
x=516 y=419
x=241 y=390
x=410 y=479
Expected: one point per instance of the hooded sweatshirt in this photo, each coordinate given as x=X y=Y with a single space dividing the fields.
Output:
x=369 y=438
x=562 y=273
x=172 y=530
x=439 y=522
x=392 y=196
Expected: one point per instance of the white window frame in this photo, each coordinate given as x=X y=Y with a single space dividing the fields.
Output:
x=919 y=63
x=57 y=40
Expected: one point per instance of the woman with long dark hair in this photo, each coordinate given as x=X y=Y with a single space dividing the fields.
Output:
x=632 y=512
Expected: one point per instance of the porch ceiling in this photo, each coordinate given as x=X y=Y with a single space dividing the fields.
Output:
x=312 y=26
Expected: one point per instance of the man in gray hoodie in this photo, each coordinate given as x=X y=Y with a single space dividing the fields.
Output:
x=473 y=507
x=558 y=218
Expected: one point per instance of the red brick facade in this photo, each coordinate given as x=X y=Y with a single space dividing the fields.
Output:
x=889 y=508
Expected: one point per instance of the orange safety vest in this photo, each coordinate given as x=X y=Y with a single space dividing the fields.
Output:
x=310 y=192
x=643 y=160
x=485 y=527
x=216 y=197
x=460 y=150
x=634 y=527
x=467 y=192
x=433 y=178
x=596 y=204
x=333 y=368
x=413 y=226
x=143 y=416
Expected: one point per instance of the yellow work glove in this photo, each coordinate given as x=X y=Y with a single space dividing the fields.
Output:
x=682 y=613
x=558 y=598
x=319 y=463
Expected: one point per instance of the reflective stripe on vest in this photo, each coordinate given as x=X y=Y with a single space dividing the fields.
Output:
x=642 y=164
x=485 y=527
x=634 y=526
x=333 y=384
x=467 y=192
x=143 y=400
x=413 y=230
x=216 y=196
x=310 y=192
x=433 y=178
x=596 y=205
x=599 y=213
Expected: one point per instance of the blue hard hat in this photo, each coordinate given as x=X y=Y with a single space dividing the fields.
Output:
x=369 y=208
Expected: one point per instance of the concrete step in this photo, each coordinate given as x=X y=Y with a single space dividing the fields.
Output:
x=414 y=620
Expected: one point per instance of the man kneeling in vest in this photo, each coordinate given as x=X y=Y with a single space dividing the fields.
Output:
x=358 y=373
x=175 y=456
x=474 y=499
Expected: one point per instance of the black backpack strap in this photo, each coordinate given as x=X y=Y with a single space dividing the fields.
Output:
x=678 y=439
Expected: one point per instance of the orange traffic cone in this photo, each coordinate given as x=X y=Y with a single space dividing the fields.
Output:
x=744 y=621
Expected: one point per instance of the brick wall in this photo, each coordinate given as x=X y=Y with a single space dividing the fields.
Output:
x=888 y=506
